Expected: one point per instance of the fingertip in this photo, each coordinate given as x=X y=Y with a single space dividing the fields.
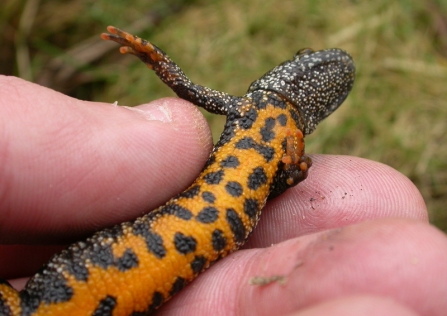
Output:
x=357 y=305
x=400 y=259
x=379 y=187
x=186 y=117
x=339 y=191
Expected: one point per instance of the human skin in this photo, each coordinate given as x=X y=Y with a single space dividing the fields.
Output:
x=352 y=239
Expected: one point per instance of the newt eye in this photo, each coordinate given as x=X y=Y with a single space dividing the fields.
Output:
x=302 y=52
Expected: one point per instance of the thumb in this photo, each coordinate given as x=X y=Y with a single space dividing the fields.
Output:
x=69 y=167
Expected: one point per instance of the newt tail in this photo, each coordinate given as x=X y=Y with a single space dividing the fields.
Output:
x=134 y=267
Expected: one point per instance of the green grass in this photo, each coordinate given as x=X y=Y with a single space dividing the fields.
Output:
x=396 y=114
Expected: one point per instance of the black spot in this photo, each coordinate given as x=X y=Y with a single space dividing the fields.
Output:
x=157 y=300
x=198 y=264
x=184 y=244
x=246 y=143
x=101 y=255
x=105 y=307
x=127 y=261
x=251 y=207
x=267 y=130
x=208 y=197
x=234 y=188
x=218 y=240
x=246 y=122
x=236 y=225
x=214 y=177
x=176 y=210
x=4 y=308
x=154 y=242
x=78 y=270
x=178 y=285
x=230 y=162
x=56 y=289
x=282 y=119
x=191 y=192
x=208 y=215
x=267 y=152
x=257 y=178
x=49 y=286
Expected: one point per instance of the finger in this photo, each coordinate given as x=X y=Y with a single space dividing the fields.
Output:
x=339 y=191
x=69 y=167
x=401 y=259
x=357 y=305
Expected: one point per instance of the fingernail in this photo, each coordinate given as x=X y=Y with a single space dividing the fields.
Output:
x=155 y=112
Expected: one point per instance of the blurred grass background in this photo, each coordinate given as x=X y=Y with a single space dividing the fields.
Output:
x=396 y=114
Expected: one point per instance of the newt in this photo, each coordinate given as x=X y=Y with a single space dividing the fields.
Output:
x=134 y=267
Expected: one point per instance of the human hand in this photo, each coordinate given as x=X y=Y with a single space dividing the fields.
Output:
x=70 y=167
